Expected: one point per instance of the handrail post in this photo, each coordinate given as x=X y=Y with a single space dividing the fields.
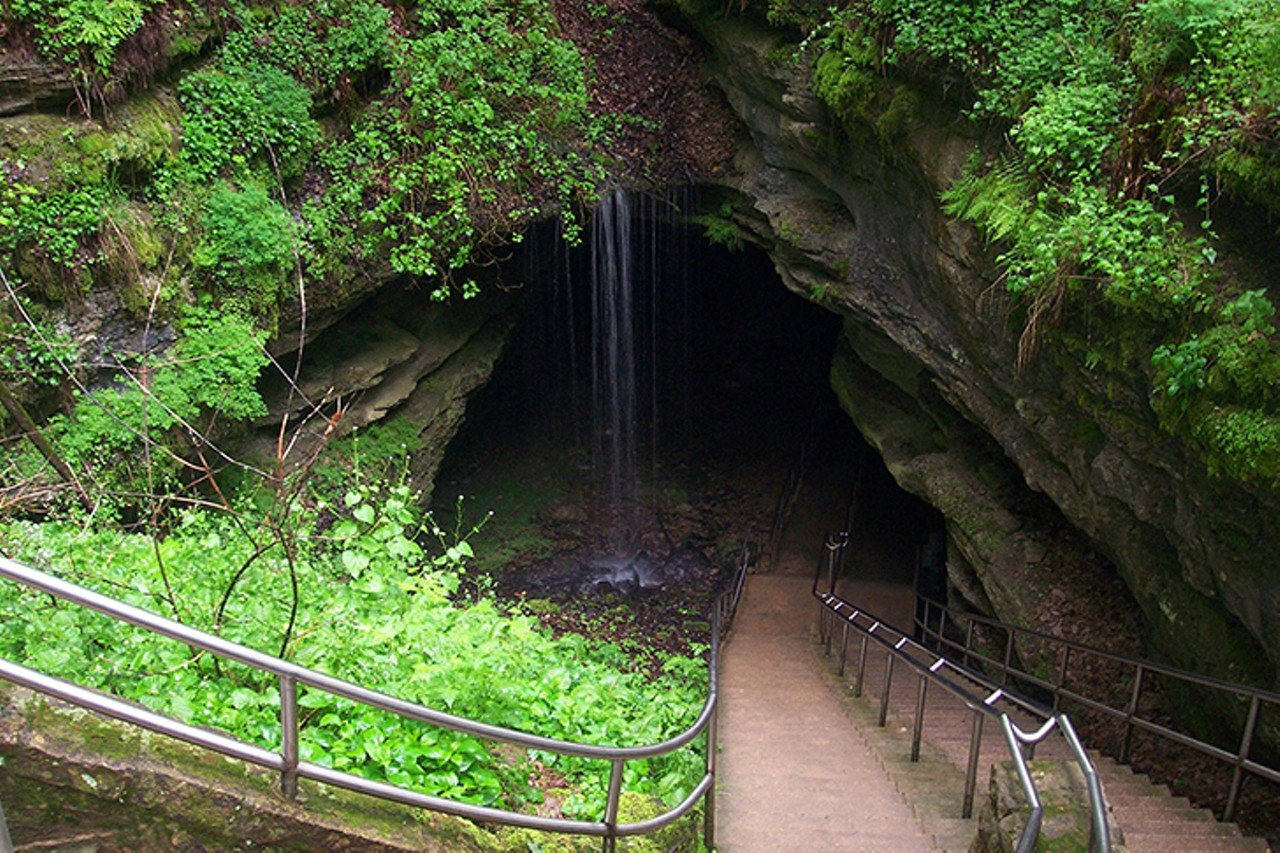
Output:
x=862 y=668
x=844 y=647
x=611 y=806
x=1132 y=712
x=968 y=642
x=1062 y=678
x=1237 y=776
x=836 y=543
x=919 y=725
x=6 y=841
x=888 y=685
x=971 y=771
x=289 y=737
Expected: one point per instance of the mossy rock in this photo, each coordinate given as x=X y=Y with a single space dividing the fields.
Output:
x=65 y=768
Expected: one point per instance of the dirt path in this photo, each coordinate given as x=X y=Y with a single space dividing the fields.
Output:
x=795 y=773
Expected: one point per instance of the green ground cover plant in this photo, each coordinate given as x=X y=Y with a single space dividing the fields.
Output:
x=365 y=590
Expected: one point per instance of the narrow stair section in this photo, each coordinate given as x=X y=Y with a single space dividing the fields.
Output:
x=795 y=772
x=1149 y=817
x=1155 y=821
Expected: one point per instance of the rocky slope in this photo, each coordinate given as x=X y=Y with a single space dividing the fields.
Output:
x=927 y=370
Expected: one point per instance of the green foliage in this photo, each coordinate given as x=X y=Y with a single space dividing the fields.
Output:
x=213 y=366
x=373 y=454
x=448 y=127
x=83 y=32
x=1129 y=251
x=1173 y=34
x=1111 y=108
x=34 y=356
x=322 y=45
x=804 y=14
x=1231 y=115
x=468 y=141
x=246 y=247
x=374 y=607
x=55 y=227
x=118 y=433
x=238 y=116
x=844 y=74
x=1069 y=128
x=1241 y=443
x=721 y=229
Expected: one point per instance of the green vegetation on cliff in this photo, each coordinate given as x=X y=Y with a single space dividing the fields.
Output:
x=242 y=155
x=420 y=134
x=1117 y=130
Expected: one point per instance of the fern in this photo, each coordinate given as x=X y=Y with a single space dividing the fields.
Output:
x=997 y=202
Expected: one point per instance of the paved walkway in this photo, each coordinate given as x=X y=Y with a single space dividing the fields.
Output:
x=795 y=773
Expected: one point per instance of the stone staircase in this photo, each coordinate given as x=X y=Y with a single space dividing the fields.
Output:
x=1149 y=817
x=1154 y=820
x=796 y=774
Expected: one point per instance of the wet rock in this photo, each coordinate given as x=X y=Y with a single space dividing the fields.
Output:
x=567 y=575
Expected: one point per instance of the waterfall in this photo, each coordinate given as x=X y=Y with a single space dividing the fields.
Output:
x=614 y=355
x=605 y=347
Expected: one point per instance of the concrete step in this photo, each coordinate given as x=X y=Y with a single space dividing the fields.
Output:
x=1182 y=844
x=1184 y=828
x=1159 y=810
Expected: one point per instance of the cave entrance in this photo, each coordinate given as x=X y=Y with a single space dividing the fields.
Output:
x=731 y=396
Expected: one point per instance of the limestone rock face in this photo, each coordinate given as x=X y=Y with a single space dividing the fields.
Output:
x=928 y=373
x=27 y=83
x=400 y=354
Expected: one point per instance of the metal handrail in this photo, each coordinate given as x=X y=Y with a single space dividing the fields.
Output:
x=1240 y=759
x=961 y=682
x=290 y=675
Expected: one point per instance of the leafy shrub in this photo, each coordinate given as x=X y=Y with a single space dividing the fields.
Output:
x=484 y=122
x=56 y=226
x=319 y=44
x=804 y=14
x=1172 y=34
x=119 y=433
x=84 y=32
x=246 y=247
x=240 y=116
x=371 y=454
x=843 y=74
x=34 y=356
x=720 y=228
x=1241 y=443
x=1069 y=128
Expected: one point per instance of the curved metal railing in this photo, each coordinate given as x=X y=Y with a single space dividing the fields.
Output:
x=1007 y=667
x=964 y=684
x=290 y=676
